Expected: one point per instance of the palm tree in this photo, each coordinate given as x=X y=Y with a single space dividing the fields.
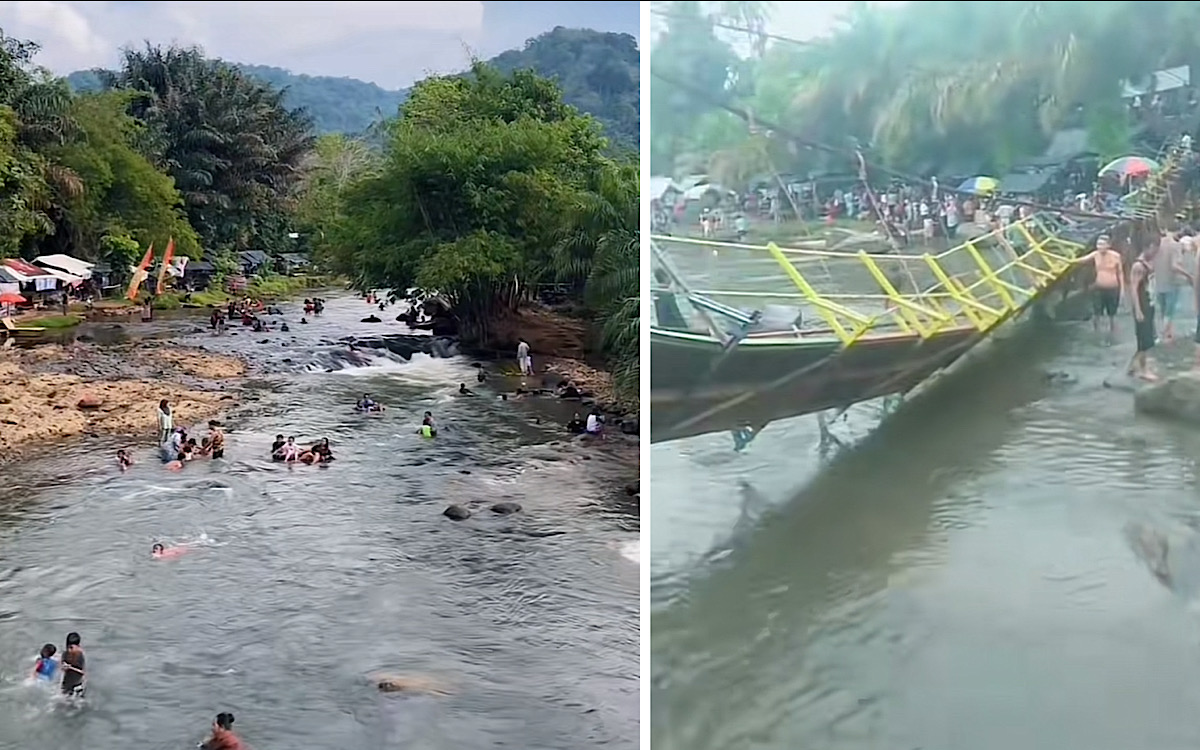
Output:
x=599 y=250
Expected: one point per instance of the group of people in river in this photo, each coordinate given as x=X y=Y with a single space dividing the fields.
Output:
x=175 y=445
x=287 y=451
x=250 y=312
x=1164 y=269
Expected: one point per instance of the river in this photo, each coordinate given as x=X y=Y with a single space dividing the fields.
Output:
x=958 y=577
x=305 y=580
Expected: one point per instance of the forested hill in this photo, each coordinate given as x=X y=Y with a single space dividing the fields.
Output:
x=598 y=72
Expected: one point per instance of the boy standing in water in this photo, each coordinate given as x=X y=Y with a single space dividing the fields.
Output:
x=166 y=422
x=523 y=358
x=73 y=667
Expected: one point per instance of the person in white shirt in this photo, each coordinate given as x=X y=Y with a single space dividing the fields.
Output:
x=523 y=358
x=166 y=421
x=595 y=423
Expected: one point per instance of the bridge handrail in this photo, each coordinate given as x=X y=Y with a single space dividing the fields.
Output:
x=981 y=304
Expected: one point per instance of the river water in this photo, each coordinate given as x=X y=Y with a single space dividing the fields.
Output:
x=305 y=580
x=958 y=577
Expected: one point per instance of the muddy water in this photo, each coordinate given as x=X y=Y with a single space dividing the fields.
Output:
x=303 y=581
x=957 y=578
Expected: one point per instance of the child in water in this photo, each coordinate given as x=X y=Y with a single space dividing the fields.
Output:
x=47 y=665
x=123 y=460
x=159 y=552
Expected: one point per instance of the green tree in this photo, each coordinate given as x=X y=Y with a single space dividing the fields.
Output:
x=598 y=252
x=471 y=193
x=931 y=82
x=233 y=147
x=123 y=193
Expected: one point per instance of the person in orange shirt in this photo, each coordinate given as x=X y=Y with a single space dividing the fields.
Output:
x=223 y=737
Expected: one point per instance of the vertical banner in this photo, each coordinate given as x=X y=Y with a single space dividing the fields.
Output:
x=168 y=256
x=139 y=274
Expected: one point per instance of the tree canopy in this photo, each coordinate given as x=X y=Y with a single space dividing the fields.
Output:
x=919 y=82
x=597 y=71
x=489 y=184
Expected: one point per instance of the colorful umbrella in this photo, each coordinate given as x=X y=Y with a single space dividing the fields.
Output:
x=11 y=298
x=1130 y=166
x=979 y=185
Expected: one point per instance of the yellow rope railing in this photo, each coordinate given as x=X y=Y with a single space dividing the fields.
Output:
x=986 y=299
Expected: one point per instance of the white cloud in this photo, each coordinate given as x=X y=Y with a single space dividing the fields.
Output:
x=391 y=43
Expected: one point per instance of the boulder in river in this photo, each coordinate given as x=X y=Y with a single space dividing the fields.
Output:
x=1176 y=397
x=370 y=319
x=506 y=508
x=633 y=488
x=456 y=513
x=90 y=401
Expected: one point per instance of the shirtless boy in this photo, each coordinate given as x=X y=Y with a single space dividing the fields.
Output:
x=1110 y=283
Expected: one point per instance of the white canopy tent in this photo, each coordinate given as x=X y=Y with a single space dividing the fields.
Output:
x=73 y=266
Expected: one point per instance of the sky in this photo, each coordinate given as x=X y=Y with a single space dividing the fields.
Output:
x=392 y=44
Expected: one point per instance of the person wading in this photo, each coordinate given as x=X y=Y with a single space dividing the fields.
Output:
x=1141 y=277
x=1109 y=285
x=166 y=421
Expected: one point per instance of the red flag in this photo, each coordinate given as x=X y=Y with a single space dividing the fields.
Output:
x=140 y=274
x=168 y=256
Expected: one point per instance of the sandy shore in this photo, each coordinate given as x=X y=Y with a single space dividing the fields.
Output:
x=52 y=393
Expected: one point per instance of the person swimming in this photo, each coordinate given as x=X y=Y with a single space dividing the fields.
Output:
x=161 y=552
x=463 y=390
x=368 y=404
x=576 y=425
x=321 y=450
x=46 y=666
x=222 y=737
x=428 y=428
x=123 y=459
x=277 y=448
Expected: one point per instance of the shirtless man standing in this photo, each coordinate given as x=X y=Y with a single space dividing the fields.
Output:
x=1142 y=300
x=1109 y=286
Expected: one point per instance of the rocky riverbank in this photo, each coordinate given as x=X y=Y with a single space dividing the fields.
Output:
x=51 y=393
x=559 y=346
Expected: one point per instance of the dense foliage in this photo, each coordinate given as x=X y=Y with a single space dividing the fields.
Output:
x=73 y=174
x=920 y=83
x=488 y=185
x=597 y=71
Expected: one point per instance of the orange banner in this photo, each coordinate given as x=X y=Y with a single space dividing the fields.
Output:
x=140 y=274
x=168 y=256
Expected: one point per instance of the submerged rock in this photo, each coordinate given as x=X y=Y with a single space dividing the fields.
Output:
x=456 y=513
x=1176 y=397
x=370 y=319
x=506 y=508
x=633 y=488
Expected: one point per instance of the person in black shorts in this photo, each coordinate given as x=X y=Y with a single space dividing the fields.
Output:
x=1106 y=302
x=1143 y=313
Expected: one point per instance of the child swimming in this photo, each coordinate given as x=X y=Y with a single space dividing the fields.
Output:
x=160 y=552
x=47 y=665
x=123 y=460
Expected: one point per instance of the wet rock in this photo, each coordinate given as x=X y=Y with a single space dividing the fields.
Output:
x=633 y=488
x=630 y=427
x=370 y=319
x=1177 y=398
x=90 y=401
x=456 y=513
x=506 y=508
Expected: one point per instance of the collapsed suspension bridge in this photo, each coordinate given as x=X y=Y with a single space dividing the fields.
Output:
x=808 y=344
